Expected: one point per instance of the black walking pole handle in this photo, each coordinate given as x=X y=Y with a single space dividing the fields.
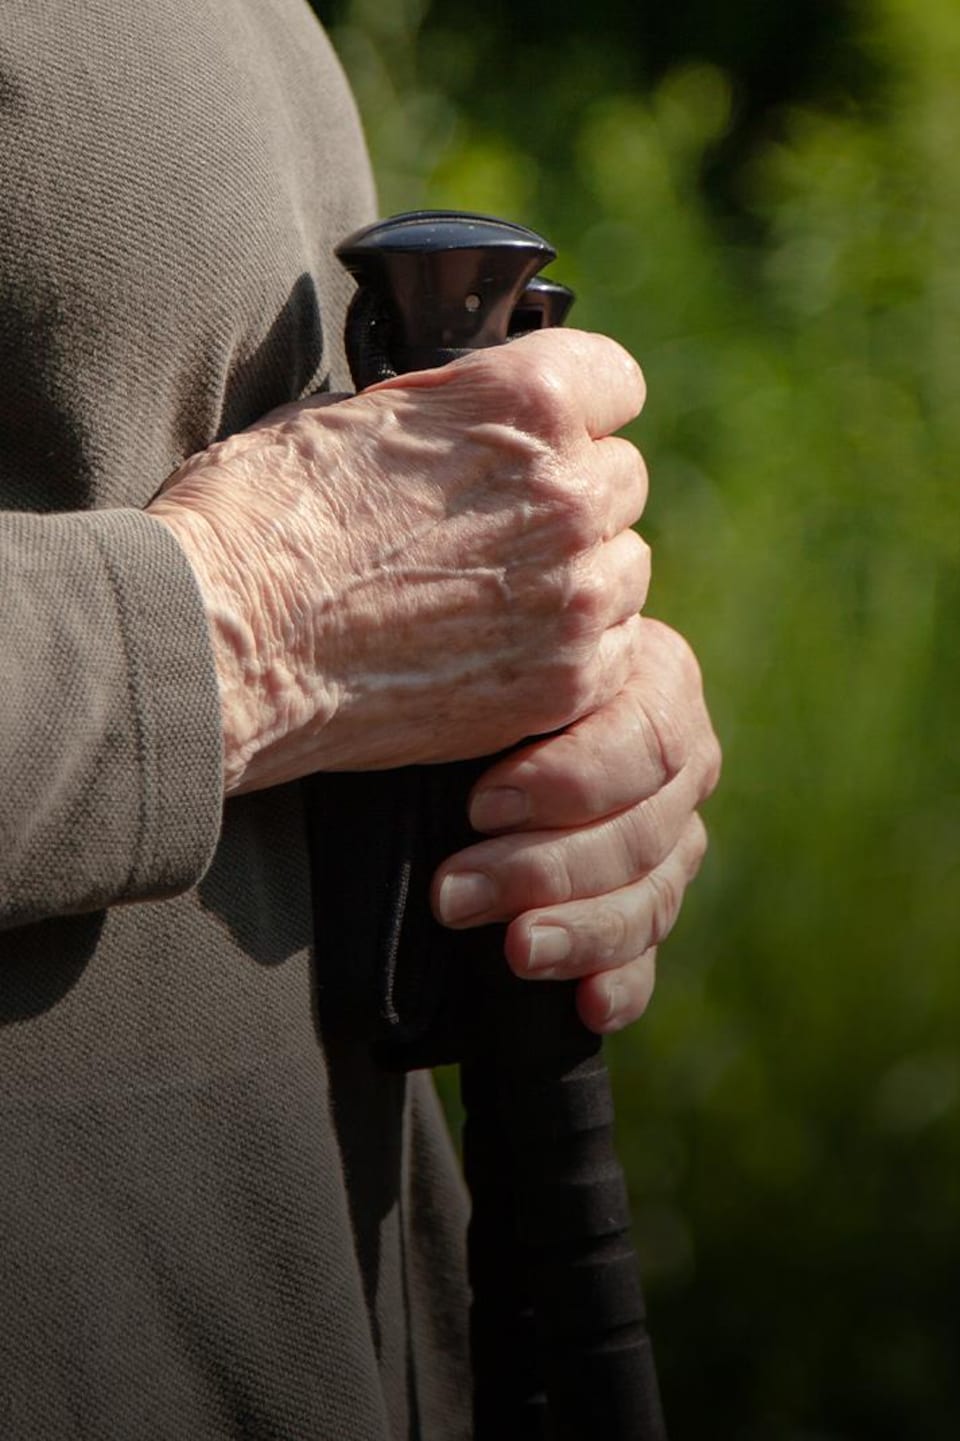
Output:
x=550 y=1210
x=435 y=284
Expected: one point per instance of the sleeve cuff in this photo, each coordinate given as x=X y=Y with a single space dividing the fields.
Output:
x=174 y=702
x=111 y=769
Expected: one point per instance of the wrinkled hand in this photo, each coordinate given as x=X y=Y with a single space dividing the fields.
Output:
x=430 y=570
x=599 y=836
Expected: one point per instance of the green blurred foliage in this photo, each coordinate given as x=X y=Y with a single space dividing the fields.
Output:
x=767 y=213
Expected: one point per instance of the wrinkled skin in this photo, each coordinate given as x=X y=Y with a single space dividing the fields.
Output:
x=597 y=836
x=430 y=570
x=438 y=568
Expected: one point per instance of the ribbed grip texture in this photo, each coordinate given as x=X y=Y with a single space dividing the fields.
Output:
x=552 y=1220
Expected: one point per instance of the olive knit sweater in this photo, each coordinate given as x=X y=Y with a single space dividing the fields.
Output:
x=213 y=1224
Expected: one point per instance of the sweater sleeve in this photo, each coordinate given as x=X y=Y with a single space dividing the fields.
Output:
x=110 y=749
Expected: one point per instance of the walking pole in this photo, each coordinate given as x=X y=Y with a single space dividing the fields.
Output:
x=558 y=1328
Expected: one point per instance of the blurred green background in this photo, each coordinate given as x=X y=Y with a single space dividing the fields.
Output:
x=762 y=201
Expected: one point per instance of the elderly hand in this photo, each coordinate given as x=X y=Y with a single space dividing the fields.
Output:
x=427 y=571
x=598 y=836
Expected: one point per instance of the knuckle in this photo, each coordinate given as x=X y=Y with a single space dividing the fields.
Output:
x=713 y=765
x=617 y=367
x=632 y=476
x=667 y=740
x=688 y=667
x=699 y=843
x=580 y=767
x=569 y=512
x=634 y=376
x=573 y=777
x=641 y=473
x=608 y=934
x=588 y=604
x=642 y=568
x=549 y=875
x=542 y=397
x=644 y=555
x=643 y=980
x=648 y=758
x=682 y=723
x=676 y=658
x=571 y=691
x=664 y=906
x=640 y=831
x=641 y=547
x=576 y=510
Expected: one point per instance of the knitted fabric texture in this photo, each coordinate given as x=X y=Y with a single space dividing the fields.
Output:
x=213 y=1224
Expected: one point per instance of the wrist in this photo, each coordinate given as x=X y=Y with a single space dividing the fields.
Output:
x=229 y=589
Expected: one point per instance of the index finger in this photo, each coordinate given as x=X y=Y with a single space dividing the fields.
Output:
x=624 y=752
x=607 y=760
x=591 y=372
x=555 y=381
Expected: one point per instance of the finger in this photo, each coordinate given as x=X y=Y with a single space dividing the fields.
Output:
x=623 y=483
x=613 y=660
x=501 y=878
x=606 y=379
x=611 y=582
x=669 y=675
x=605 y=932
x=601 y=593
x=607 y=1003
x=625 y=564
x=575 y=686
x=598 y=766
x=616 y=756
x=587 y=381
x=504 y=876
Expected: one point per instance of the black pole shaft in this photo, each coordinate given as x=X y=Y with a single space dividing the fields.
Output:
x=544 y=1089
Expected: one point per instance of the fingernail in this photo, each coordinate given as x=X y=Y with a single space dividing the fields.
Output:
x=466 y=894
x=499 y=807
x=615 y=999
x=549 y=945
